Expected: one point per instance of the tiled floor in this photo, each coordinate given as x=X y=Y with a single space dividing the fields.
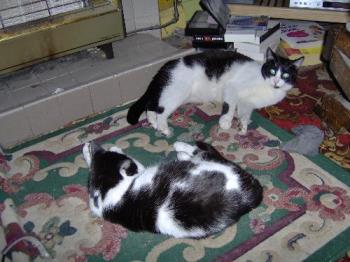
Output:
x=44 y=97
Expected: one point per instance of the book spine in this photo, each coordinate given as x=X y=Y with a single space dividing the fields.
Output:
x=270 y=32
x=248 y=35
x=242 y=27
x=248 y=22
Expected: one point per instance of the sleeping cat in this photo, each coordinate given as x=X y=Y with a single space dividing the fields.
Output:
x=237 y=81
x=195 y=196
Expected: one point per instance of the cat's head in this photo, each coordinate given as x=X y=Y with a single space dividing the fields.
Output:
x=279 y=71
x=108 y=168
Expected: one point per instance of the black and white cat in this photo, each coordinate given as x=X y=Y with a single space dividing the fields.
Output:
x=197 y=195
x=237 y=81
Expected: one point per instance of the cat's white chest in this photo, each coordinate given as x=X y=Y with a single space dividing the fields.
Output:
x=260 y=93
x=265 y=96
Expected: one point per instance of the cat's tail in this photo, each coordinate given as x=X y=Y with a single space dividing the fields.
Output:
x=137 y=109
x=150 y=99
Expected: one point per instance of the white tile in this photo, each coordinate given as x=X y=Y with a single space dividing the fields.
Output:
x=75 y=104
x=147 y=14
x=89 y=74
x=105 y=94
x=144 y=8
x=134 y=83
x=44 y=115
x=129 y=16
x=14 y=128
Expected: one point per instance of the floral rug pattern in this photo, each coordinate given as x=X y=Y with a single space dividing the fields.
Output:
x=305 y=213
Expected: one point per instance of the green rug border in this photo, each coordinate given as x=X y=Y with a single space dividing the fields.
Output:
x=334 y=251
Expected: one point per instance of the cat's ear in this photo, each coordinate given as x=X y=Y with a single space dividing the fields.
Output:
x=270 y=55
x=128 y=168
x=95 y=147
x=298 y=62
x=89 y=150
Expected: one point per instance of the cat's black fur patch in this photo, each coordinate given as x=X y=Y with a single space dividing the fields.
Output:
x=215 y=62
x=209 y=153
x=200 y=212
x=104 y=169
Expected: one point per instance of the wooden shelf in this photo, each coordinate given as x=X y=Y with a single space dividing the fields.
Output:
x=280 y=9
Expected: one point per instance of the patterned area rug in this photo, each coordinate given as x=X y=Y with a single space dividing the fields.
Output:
x=305 y=213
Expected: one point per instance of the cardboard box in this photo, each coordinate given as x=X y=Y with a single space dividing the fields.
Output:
x=340 y=61
x=335 y=111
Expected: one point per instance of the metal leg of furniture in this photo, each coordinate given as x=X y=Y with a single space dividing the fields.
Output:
x=108 y=50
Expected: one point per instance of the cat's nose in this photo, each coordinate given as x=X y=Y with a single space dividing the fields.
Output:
x=275 y=83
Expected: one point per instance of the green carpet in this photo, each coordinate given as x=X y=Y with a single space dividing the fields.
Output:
x=305 y=214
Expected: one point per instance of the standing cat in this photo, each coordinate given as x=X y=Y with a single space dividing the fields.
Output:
x=197 y=195
x=241 y=83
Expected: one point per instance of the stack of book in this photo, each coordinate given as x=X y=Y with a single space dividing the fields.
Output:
x=254 y=41
x=214 y=27
x=302 y=38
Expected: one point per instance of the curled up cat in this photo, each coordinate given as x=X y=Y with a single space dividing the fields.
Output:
x=231 y=78
x=197 y=195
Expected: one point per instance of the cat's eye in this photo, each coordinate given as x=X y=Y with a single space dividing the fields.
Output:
x=285 y=75
x=272 y=71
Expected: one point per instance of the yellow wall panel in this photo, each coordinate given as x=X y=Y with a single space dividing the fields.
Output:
x=186 y=9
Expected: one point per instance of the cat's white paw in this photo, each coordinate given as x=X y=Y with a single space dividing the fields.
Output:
x=243 y=130
x=152 y=119
x=87 y=154
x=243 y=126
x=182 y=156
x=178 y=146
x=184 y=147
x=116 y=149
x=165 y=131
x=185 y=151
x=225 y=123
